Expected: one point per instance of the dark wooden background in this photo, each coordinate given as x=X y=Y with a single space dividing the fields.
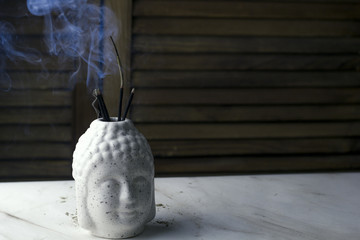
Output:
x=221 y=87
x=238 y=86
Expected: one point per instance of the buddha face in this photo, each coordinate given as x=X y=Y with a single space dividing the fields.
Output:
x=120 y=197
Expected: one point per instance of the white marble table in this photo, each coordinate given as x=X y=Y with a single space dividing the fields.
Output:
x=289 y=206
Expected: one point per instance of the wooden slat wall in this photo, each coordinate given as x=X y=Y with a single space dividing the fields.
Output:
x=239 y=86
x=36 y=140
x=221 y=86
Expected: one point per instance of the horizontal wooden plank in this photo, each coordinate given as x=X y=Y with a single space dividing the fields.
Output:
x=236 y=9
x=207 y=148
x=35 y=169
x=51 y=132
x=244 y=27
x=31 y=42
x=34 y=42
x=27 y=24
x=30 y=24
x=13 y=9
x=245 y=62
x=257 y=164
x=143 y=114
x=61 y=169
x=249 y=130
x=208 y=79
x=247 y=96
x=45 y=63
x=37 y=80
x=36 y=98
x=36 y=115
x=35 y=151
x=224 y=44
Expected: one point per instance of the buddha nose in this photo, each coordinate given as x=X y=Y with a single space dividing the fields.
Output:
x=127 y=197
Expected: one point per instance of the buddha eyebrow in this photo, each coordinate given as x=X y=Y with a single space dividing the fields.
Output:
x=141 y=173
x=107 y=178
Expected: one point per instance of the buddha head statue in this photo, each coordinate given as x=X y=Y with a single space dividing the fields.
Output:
x=113 y=168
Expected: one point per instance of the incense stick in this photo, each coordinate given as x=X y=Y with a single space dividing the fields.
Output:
x=120 y=103
x=128 y=104
x=121 y=78
x=102 y=105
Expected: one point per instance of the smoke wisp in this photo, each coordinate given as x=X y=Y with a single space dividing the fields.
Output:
x=11 y=51
x=75 y=29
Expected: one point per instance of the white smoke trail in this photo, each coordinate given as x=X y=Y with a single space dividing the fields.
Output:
x=11 y=51
x=74 y=29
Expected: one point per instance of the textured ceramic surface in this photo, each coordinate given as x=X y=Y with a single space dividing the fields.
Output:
x=113 y=168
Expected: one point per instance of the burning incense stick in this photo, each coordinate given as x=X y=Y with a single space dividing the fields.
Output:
x=102 y=105
x=121 y=78
x=128 y=104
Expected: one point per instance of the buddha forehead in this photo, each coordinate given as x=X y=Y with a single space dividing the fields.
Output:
x=124 y=169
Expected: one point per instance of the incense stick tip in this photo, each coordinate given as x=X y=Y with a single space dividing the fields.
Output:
x=96 y=91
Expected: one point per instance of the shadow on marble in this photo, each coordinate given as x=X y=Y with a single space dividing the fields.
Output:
x=181 y=227
x=155 y=231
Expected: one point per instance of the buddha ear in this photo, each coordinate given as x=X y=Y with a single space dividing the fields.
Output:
x=152 y=212
x=83 y=216
x=84 y=219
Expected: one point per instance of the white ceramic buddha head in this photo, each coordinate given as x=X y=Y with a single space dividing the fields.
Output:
x=114 y=178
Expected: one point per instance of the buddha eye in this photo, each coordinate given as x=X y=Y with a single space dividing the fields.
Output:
x=139 y=180
x=108 y=193
x=141 y=185
x=110 y=185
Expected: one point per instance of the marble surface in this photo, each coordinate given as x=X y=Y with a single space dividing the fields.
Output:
x=289 y=206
